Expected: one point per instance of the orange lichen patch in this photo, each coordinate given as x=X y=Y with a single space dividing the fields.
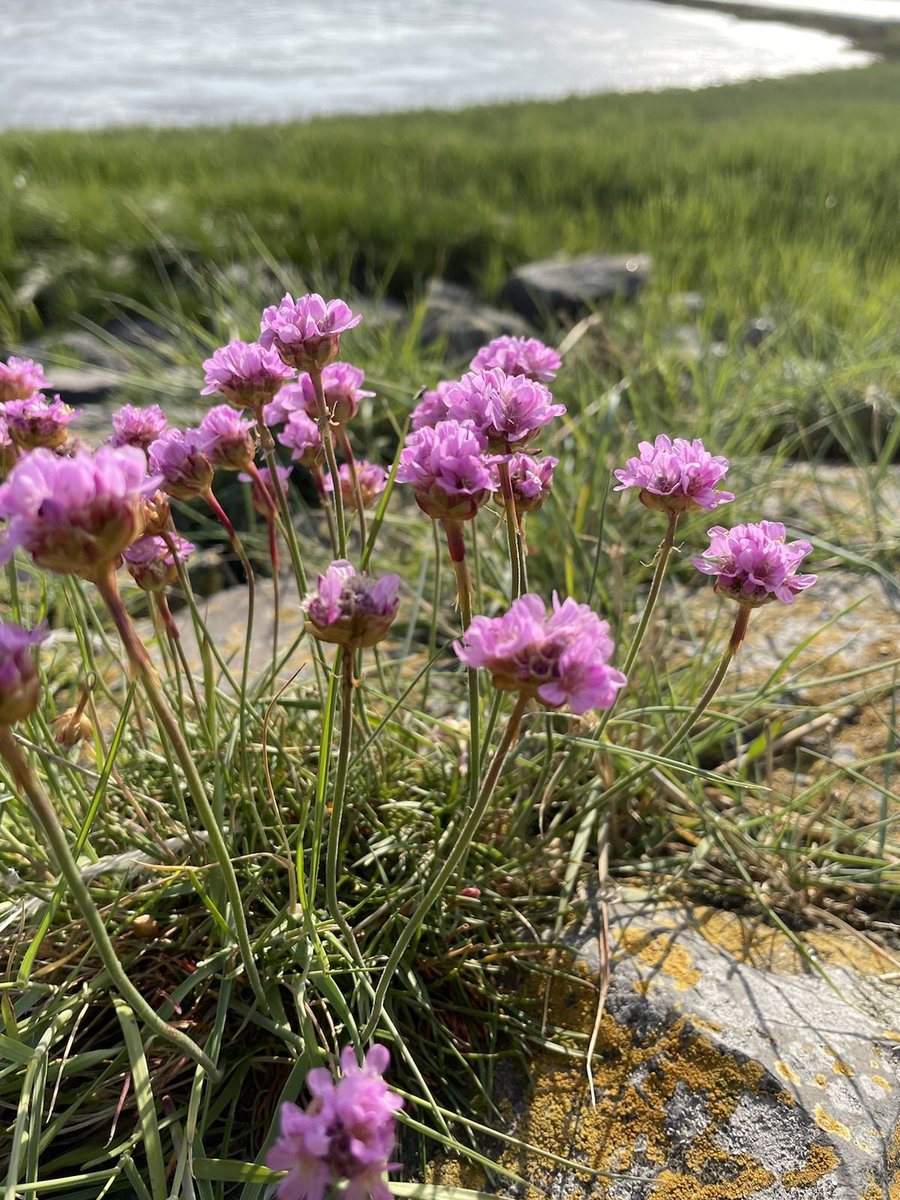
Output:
x=707 y=1026
x=838 y=1065
x=873 y=1191
x=822 y=1080
x=786 y=1073
x=822 y=1159
x=753 y=1178
x=831 y=1124
x=455 y=1172
x=881 y=1082
x=642 y=986
x=662 y=953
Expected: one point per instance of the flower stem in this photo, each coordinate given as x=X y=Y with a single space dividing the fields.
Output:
x=456 y=544
x=143 y=667
x=332 y=854
x=347 y=451
x=456 y=855
x=324 y=423
x=514 y=538
x=43 y=813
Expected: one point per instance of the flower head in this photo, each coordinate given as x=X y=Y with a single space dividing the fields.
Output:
x=75 y=515
x=518 y=356
x=346 y=1133
x=291 y=398
x=38 y=421
x=432 y=407
x=351 y=609
x=753 y=564
x=508 y=409
x=372 y=482
x=151 y=562
x=560 y=657
x=263 y=497
x=19 y=683
x=137 y=426
x=227 y=439
x=179 y=457
x=247 y=374
x=306 y=332
x=302 y=437
x=675 y=476
x=447 y=466
x=20 y=378
x=531 y=480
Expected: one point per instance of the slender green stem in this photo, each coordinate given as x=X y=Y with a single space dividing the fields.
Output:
x=143 y=668
x=347 y=451
x=513 y=536
x=43 y=813
x=456 y=543
x=284 y=508
x=456 y=855
x=332 y=855
x=324 y=423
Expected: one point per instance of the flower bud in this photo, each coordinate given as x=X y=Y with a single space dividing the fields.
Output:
x=71 y=727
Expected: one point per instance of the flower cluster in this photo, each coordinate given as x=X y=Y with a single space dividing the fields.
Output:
x=38 y=421
x=152 y=561
x=137 y=426
x=346 y=1133
x=19 y=683
x=227 y=439
x=20 y=378
x=448 y=467
x=518 y=356
x=371 y=478
x=531 y=480
x=675 y=476
x=561 y=657
x=306 y=332
x=247 y=374
x=508 y=409
x=351 y=609
x=179 y=458
x=754 y=564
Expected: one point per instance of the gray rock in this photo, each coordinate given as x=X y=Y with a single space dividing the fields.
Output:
x=454 y=316
x=573 y=286
x=757 y=330
x=89 y=385
x=86 y=349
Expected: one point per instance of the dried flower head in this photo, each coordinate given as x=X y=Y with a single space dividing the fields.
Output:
x=38 y=421
x=75 y=515
x=351 y=609
x=518 y=356
x=560 y=657
x=151 y=562
x=20 y=378
x=372 y=482
x=179 y=458
x=247 y=374
x=675 y=476
x=753 y=564
x=448 y=467
x=72 y=726
x=137 y=426
x=19 y=684
x=508 y=409
x=306 y=332
x=227 y=439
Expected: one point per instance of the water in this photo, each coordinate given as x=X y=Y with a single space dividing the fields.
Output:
x=85 y=63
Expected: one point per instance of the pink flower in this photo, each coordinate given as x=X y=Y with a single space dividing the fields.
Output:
x=372 y=482
x=351 y=609
x=448 y=468
x=291 y=398
x=560 y=657
x=342 y=386
x=346 y=1134
x=531 y=480
x=508 y=409
x=432 y=407
x=260 y=499
x=246 y=374
x=75 y=515
x=137 y=426
x=675 y=476
x=20 y=378
x=179 y=457
x=152 y=564
x=227 y=439
x=306 y=332
x=38 y=421
x=518 y=356
x=19 y=683
x=753 y=564
x=301 y=436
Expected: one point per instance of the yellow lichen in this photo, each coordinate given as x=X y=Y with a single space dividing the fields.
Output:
x=822 y=1080
x=785 y=1071
x=661 y=953
x=822 y=1159
x=838 y=1065
x=830 y=1124
x=882 y=1083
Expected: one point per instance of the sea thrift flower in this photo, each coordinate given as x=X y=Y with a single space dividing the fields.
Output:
x=75 y=515
x=560 y=657
x=447 y=467
x=227 y=439
x=20 y=378
x=346 y=1133
x=531 y=480
x=350 y=609
x=675 y=476
x=518 y=356
x=38 y=421
x=137 y=426
x=302 y=437
x=306 y=332
x=508 y=409
x=431 y=408
x=179 y=457
x=342 y=387
x=19 y=683
x=372 y=482
x=261 y=500
x=753 y=564
x=287 y=400
x=247 y=374
x=151 y=562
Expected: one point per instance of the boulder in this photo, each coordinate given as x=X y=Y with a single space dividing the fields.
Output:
x=455 y=317
x=570 y=287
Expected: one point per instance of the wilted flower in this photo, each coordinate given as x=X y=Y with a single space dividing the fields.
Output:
x=302 y=437
x=227 y=439
x=508 y=409
x=263 y=500
x=151 y=562
x=75 y=515
x=518 y=356
x=531 y=479
x=753 y=564
x=8 y=452
x=137 y=426
x=179 y=457
x=19 y=683
x=351 y=609
x=431 y=408
x=20 y=378
x=560 y=657
x=306 y=332
x=157 y=513
x=38 y=421
x=247 y=374
x=72 y=726
x=372 y=482
x=447 y=467
x=675 y=476
x=347 y=1133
